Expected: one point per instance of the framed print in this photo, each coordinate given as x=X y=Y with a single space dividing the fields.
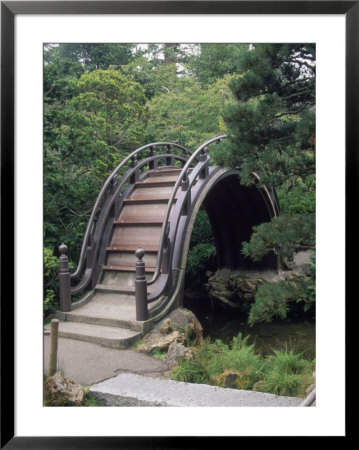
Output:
x=26 y=26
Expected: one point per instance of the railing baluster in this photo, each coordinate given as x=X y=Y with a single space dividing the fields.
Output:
x=170 y=159
x=204 y=157
x=135 y=176
x=141 y=287
x=153 y=164
x=187 y=202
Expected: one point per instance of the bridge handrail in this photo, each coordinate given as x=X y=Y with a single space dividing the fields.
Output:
x=100 y=196
x=183 y=175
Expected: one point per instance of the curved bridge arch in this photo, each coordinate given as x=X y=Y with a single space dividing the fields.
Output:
x=151 y=200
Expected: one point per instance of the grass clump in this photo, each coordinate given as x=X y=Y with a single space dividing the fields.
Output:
x=157 y=353
x=287 y=373
x=239 y=366
x=215 y=358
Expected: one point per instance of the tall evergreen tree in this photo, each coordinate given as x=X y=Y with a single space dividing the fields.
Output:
x=272 y=135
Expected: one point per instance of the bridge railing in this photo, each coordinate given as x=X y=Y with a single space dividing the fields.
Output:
x=115 y=188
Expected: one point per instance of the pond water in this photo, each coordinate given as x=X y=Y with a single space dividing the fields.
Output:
x=296 y=332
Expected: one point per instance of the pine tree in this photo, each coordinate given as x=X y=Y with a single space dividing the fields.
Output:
x=272 y=135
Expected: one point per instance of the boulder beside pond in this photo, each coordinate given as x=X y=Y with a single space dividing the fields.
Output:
x=181 y=326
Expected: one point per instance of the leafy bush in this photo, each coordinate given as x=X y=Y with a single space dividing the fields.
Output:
x=200 y=258
x=202 y=231
x=298 y=199
x=202 y=252
x=51 y=287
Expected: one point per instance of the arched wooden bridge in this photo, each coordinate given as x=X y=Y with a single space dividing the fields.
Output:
x=138 y=236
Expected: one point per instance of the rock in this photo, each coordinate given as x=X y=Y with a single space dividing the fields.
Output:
x=156 y=339
x=232 y=288
x=228 y=379
x=246 y=287
x=166 y=326
x=180 y=326
x=60 y=391
x=176 y=352
x=219 y=288
x=186 y=322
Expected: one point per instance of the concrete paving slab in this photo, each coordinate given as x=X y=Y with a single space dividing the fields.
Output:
x=137 y=390
x=87 y=363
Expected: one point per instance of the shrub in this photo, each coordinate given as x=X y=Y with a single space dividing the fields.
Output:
x=51 y=287
x=200 y=258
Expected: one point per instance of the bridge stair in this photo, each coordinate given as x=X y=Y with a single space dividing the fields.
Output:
x=109 y=317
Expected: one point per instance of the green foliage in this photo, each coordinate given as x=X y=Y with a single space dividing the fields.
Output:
x=214 y=358
x=298 y=199
x=202 y=231
x=155 y=79
x=283 y=235
x=51 y=267
x=188 y=113
x=202 y=251
x=272 y=124
x=200 y=258
x=215 y=61
x=85 y=137
x=273 y=299
x=283 y=373
x=158 y=354
x=287 y=373
x=91 y=56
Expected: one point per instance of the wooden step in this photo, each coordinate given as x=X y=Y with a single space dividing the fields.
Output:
x=146 y=200
x=141 y=212
x=157 y=182
x=139 y=236
x=138 y=220
x=124 y=268
x=164 y=172
x=148 y=248
x=160 y=179
x=167 y=172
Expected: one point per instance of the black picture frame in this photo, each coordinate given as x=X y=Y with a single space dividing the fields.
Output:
x=9 y=9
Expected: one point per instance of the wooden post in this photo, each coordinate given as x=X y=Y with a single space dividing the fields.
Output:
x=54 y=333
x=64 y=280
x=170 y=159
x=154 y=163
x=141 y=287
x=134 y=177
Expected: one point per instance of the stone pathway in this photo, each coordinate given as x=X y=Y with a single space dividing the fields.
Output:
x=87 y=363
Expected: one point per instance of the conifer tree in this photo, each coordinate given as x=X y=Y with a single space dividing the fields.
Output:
x=272 y=134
